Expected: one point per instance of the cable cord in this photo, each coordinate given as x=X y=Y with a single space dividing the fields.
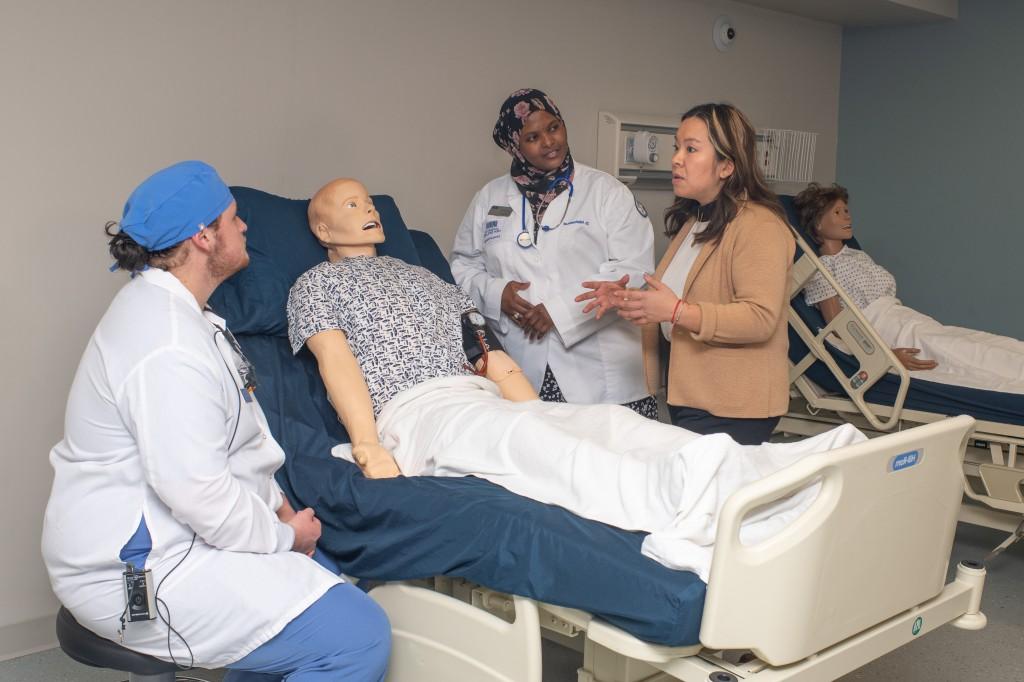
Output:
x=238 y=415
x=167 y=620
x=156 y=597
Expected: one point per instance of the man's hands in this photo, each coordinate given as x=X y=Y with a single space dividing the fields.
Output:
x=306 y=526
x=375 y=460
x=534 y=320
x=908 y=357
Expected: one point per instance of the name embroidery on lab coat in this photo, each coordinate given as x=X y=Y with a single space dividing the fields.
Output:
x=492 y=230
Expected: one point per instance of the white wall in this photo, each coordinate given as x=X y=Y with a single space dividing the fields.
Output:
x=284 y=96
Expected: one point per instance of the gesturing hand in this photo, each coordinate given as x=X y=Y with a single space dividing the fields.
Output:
x=307 y=531
x=908 y=357
x=601 y=296
x=514 y=305
x=375 y=460
x=655 y=304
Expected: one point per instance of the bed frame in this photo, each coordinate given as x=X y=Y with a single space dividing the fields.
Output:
x=994 y=459
x=861 y=573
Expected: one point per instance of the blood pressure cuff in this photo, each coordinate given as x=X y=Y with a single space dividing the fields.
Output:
x=477 y=337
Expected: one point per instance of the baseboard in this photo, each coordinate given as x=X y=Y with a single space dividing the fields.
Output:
x=28 y=637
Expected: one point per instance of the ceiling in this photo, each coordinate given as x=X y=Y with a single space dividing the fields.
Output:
x=861 y=13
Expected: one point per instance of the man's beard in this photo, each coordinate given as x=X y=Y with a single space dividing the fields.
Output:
x=220 y=266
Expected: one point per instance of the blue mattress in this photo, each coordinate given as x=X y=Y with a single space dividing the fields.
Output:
x=419 y=527
x=926 y=396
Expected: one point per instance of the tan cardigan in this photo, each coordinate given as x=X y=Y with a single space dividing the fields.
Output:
x=736 y=365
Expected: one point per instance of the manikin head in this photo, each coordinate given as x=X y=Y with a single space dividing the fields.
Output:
x=343 y=219
x=825 y=213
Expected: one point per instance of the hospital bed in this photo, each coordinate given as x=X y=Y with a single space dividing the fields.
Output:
x=858 y=379
x=471 y=575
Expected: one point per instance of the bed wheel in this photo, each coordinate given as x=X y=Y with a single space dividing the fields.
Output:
x=721 y=676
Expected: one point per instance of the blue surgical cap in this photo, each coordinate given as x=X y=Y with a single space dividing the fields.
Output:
x=173 y=204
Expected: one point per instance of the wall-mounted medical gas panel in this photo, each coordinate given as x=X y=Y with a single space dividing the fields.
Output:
x=638 y=149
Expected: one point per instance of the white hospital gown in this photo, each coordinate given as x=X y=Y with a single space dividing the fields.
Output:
x=861 y=277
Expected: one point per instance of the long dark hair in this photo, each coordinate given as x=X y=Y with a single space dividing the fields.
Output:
x=734 y=139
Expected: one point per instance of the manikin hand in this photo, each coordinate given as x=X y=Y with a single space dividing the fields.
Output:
x=602 y=295
x=908 y=357
x=514 y=305
x=307 y=531
x=375 y=460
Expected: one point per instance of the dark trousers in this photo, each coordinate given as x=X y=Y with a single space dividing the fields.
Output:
x=743 y=431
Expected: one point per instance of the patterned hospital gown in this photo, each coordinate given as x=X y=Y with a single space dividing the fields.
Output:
x=860 y=276
x=402 y=322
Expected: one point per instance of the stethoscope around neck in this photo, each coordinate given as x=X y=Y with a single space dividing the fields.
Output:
x=524 y=238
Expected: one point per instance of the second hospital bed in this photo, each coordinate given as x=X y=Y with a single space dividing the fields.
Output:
x=820 y=599
x=864 y=383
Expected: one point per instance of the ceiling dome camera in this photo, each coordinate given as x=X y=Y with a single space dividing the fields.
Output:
x=723 y=33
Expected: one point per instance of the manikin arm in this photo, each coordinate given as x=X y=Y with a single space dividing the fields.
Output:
x=829 y=308
x=503 y=370
x=347 y=390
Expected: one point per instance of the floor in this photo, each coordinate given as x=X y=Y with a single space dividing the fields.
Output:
x=995 y=653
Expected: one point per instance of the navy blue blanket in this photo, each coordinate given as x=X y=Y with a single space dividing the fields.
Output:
x=423 y=526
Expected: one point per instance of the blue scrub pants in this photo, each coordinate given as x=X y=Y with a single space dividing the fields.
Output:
x=344 y=636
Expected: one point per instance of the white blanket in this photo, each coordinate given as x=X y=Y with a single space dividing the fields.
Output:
x=966 y=357
x=602 y=462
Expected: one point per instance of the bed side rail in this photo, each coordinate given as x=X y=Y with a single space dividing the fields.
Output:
x=436 y=638
x=874 y=543
x=857 y=335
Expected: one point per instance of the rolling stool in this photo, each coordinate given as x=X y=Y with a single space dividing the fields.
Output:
x=87 y=647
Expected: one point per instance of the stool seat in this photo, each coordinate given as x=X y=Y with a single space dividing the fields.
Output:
x=85 y=646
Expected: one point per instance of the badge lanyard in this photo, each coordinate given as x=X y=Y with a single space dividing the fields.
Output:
x=524 y=238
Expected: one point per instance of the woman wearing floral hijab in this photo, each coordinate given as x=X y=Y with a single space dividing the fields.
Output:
x=531 y=237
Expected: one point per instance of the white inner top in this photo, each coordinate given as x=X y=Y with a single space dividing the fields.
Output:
x=679 y=269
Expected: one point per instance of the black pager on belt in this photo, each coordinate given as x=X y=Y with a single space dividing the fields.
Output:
x=477 y=338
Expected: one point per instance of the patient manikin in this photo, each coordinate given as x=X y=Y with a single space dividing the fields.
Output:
x=388 y=340
x=931 y=350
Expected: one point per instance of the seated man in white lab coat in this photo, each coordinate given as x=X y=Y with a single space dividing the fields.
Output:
x=423 y=389
x=167 y=470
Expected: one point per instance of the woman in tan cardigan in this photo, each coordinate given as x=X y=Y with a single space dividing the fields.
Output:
x=719 y=293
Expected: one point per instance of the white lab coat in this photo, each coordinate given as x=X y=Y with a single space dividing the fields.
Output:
x=149 y=419
x=605 y=234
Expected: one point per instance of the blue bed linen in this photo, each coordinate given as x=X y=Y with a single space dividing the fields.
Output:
x=926 y=396
x=431 y=256
x=423 y=526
